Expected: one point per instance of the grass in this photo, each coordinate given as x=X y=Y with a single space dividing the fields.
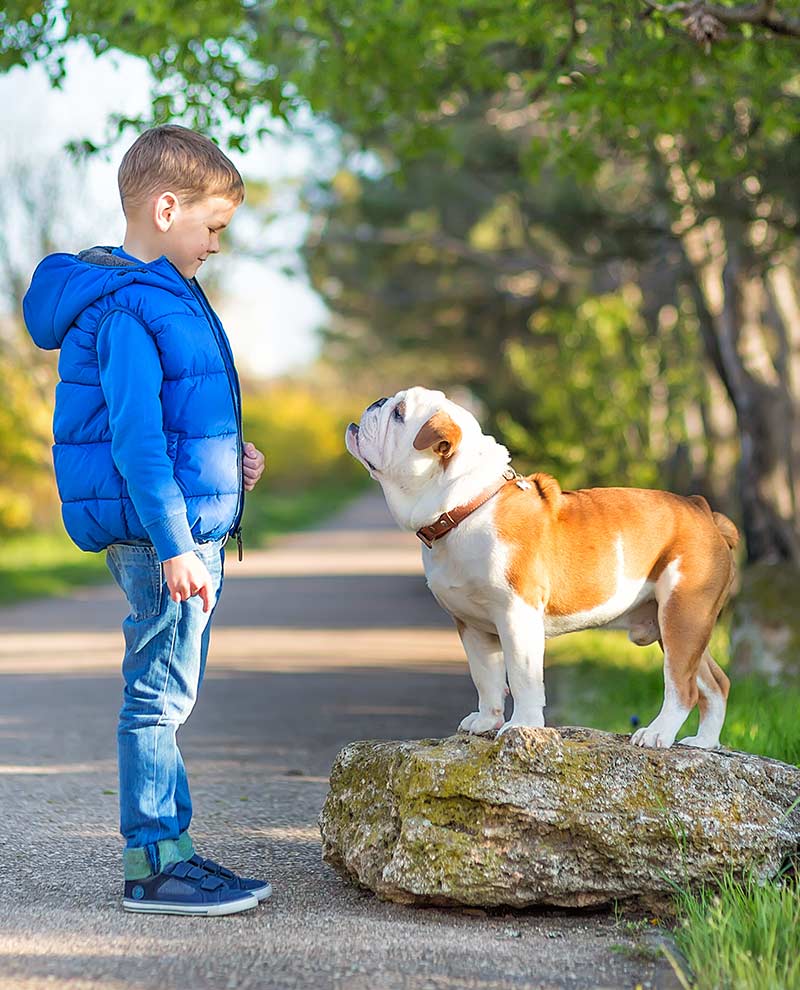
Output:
x=269 y=513
x=738 y=935
x=44 y=564
x=605 y=682
x=742 y=935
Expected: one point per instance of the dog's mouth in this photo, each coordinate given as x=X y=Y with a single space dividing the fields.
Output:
x=351 y=440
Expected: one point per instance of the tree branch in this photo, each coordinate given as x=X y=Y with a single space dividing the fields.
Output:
x=762 y=14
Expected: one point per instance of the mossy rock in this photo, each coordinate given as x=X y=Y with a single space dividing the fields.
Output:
x=569 y=817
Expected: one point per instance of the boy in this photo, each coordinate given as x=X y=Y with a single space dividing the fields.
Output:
x=151 y=466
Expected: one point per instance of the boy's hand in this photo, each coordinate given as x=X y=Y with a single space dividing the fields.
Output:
x=187 y=575
x=252 y=466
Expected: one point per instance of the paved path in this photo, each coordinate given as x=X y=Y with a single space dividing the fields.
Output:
x=329 y=636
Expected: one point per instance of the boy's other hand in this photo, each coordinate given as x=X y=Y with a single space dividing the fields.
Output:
x=186 y=575
x=252 y=466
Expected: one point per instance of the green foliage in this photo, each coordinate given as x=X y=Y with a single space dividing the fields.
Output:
x=46 y=563
x=605 y=396
x=270 y=513
x=741 y=935
x=300 y=428
x=603 y=680
x=598 y=71
x=476 y=279
x=27 y=493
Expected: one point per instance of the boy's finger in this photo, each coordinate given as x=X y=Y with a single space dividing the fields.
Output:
x=205 y=593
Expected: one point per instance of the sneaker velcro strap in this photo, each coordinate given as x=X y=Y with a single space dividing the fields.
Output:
x=211 y=867
x=179 y=869
x=211 y=883
x=183 y=871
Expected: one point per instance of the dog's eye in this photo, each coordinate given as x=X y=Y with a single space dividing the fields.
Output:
x=398 y=413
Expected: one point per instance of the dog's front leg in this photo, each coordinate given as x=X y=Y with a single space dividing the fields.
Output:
x=521 y=631
x=488 y=672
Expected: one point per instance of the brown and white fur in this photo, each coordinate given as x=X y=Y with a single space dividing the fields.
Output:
x=535 y=562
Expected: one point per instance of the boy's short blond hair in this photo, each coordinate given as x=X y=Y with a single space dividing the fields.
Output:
x=175 y=158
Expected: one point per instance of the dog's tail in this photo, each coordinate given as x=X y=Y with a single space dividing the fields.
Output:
x=729 y=532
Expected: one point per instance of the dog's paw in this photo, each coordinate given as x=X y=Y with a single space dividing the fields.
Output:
x=534 y=722
x=476 y=723
x=466 y=723
x=651 y=737
x=699 y=742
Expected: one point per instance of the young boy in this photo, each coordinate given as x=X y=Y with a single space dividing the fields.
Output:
x=151 y=467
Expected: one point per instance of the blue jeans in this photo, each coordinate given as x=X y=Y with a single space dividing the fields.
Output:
x=166 y=645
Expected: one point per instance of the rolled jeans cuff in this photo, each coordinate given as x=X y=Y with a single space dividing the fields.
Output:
x=141 y=862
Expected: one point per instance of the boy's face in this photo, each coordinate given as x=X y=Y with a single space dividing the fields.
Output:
x=192 y=232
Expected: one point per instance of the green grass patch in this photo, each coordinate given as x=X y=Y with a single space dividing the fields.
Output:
x=272 y=513
x=604 y=681
x=38 y=565
x=43 y=564
x=741 y=935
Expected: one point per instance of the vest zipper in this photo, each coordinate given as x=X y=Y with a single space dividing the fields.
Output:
x=230 y=368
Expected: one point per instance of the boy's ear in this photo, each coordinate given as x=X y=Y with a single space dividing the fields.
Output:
x=440 y=432
x=164 y=210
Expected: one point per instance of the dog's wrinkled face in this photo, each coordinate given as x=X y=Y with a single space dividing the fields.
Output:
x=410 y=435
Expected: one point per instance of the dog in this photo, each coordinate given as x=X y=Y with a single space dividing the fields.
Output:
x=517 y=560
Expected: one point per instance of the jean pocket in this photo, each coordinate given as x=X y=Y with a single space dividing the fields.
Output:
x=137 y=570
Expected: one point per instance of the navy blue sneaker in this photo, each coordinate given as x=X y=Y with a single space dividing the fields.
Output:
x=183 y=888
x=260 y=889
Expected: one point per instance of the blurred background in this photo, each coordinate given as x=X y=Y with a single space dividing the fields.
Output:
x=580 y=221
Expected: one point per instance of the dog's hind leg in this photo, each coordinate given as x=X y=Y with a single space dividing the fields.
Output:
x=488 y=671
x=688 y=604
x=713 y=686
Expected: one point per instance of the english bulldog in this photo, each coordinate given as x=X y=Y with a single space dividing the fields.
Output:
x=517 y=560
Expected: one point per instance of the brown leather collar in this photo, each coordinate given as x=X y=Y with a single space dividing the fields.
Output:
x=449 y=520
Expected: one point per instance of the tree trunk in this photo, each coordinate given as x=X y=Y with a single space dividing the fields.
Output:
x=751 y=329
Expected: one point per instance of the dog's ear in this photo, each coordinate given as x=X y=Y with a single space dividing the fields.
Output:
x=440 y=432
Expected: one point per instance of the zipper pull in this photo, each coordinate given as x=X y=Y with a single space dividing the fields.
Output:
x=239 y=542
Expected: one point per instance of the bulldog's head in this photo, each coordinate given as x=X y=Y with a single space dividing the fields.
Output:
x=408 y=435
x=417 y=437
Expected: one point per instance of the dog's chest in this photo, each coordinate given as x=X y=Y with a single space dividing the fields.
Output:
x=467 y=577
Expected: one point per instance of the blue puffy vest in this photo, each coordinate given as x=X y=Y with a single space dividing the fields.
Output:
x=141 y=341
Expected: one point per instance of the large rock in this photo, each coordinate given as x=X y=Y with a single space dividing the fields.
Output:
x=570 y=817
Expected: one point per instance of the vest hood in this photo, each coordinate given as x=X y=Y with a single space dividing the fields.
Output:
x=64 y=285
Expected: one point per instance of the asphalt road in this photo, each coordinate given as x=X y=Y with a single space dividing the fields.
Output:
x=328 y=637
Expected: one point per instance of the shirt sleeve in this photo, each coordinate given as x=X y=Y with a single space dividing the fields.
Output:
x=131 y=377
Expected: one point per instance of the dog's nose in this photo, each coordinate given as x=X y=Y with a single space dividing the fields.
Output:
x=377 y=404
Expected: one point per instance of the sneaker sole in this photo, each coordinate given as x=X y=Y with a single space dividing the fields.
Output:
x=197 y=910
x=261 y=893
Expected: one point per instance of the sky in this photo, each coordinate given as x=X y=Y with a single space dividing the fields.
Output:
x=271 y=318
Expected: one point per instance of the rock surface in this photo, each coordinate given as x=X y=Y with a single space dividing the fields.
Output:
x=569 y=817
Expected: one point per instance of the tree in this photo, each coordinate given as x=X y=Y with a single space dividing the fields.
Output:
x=702 y=98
